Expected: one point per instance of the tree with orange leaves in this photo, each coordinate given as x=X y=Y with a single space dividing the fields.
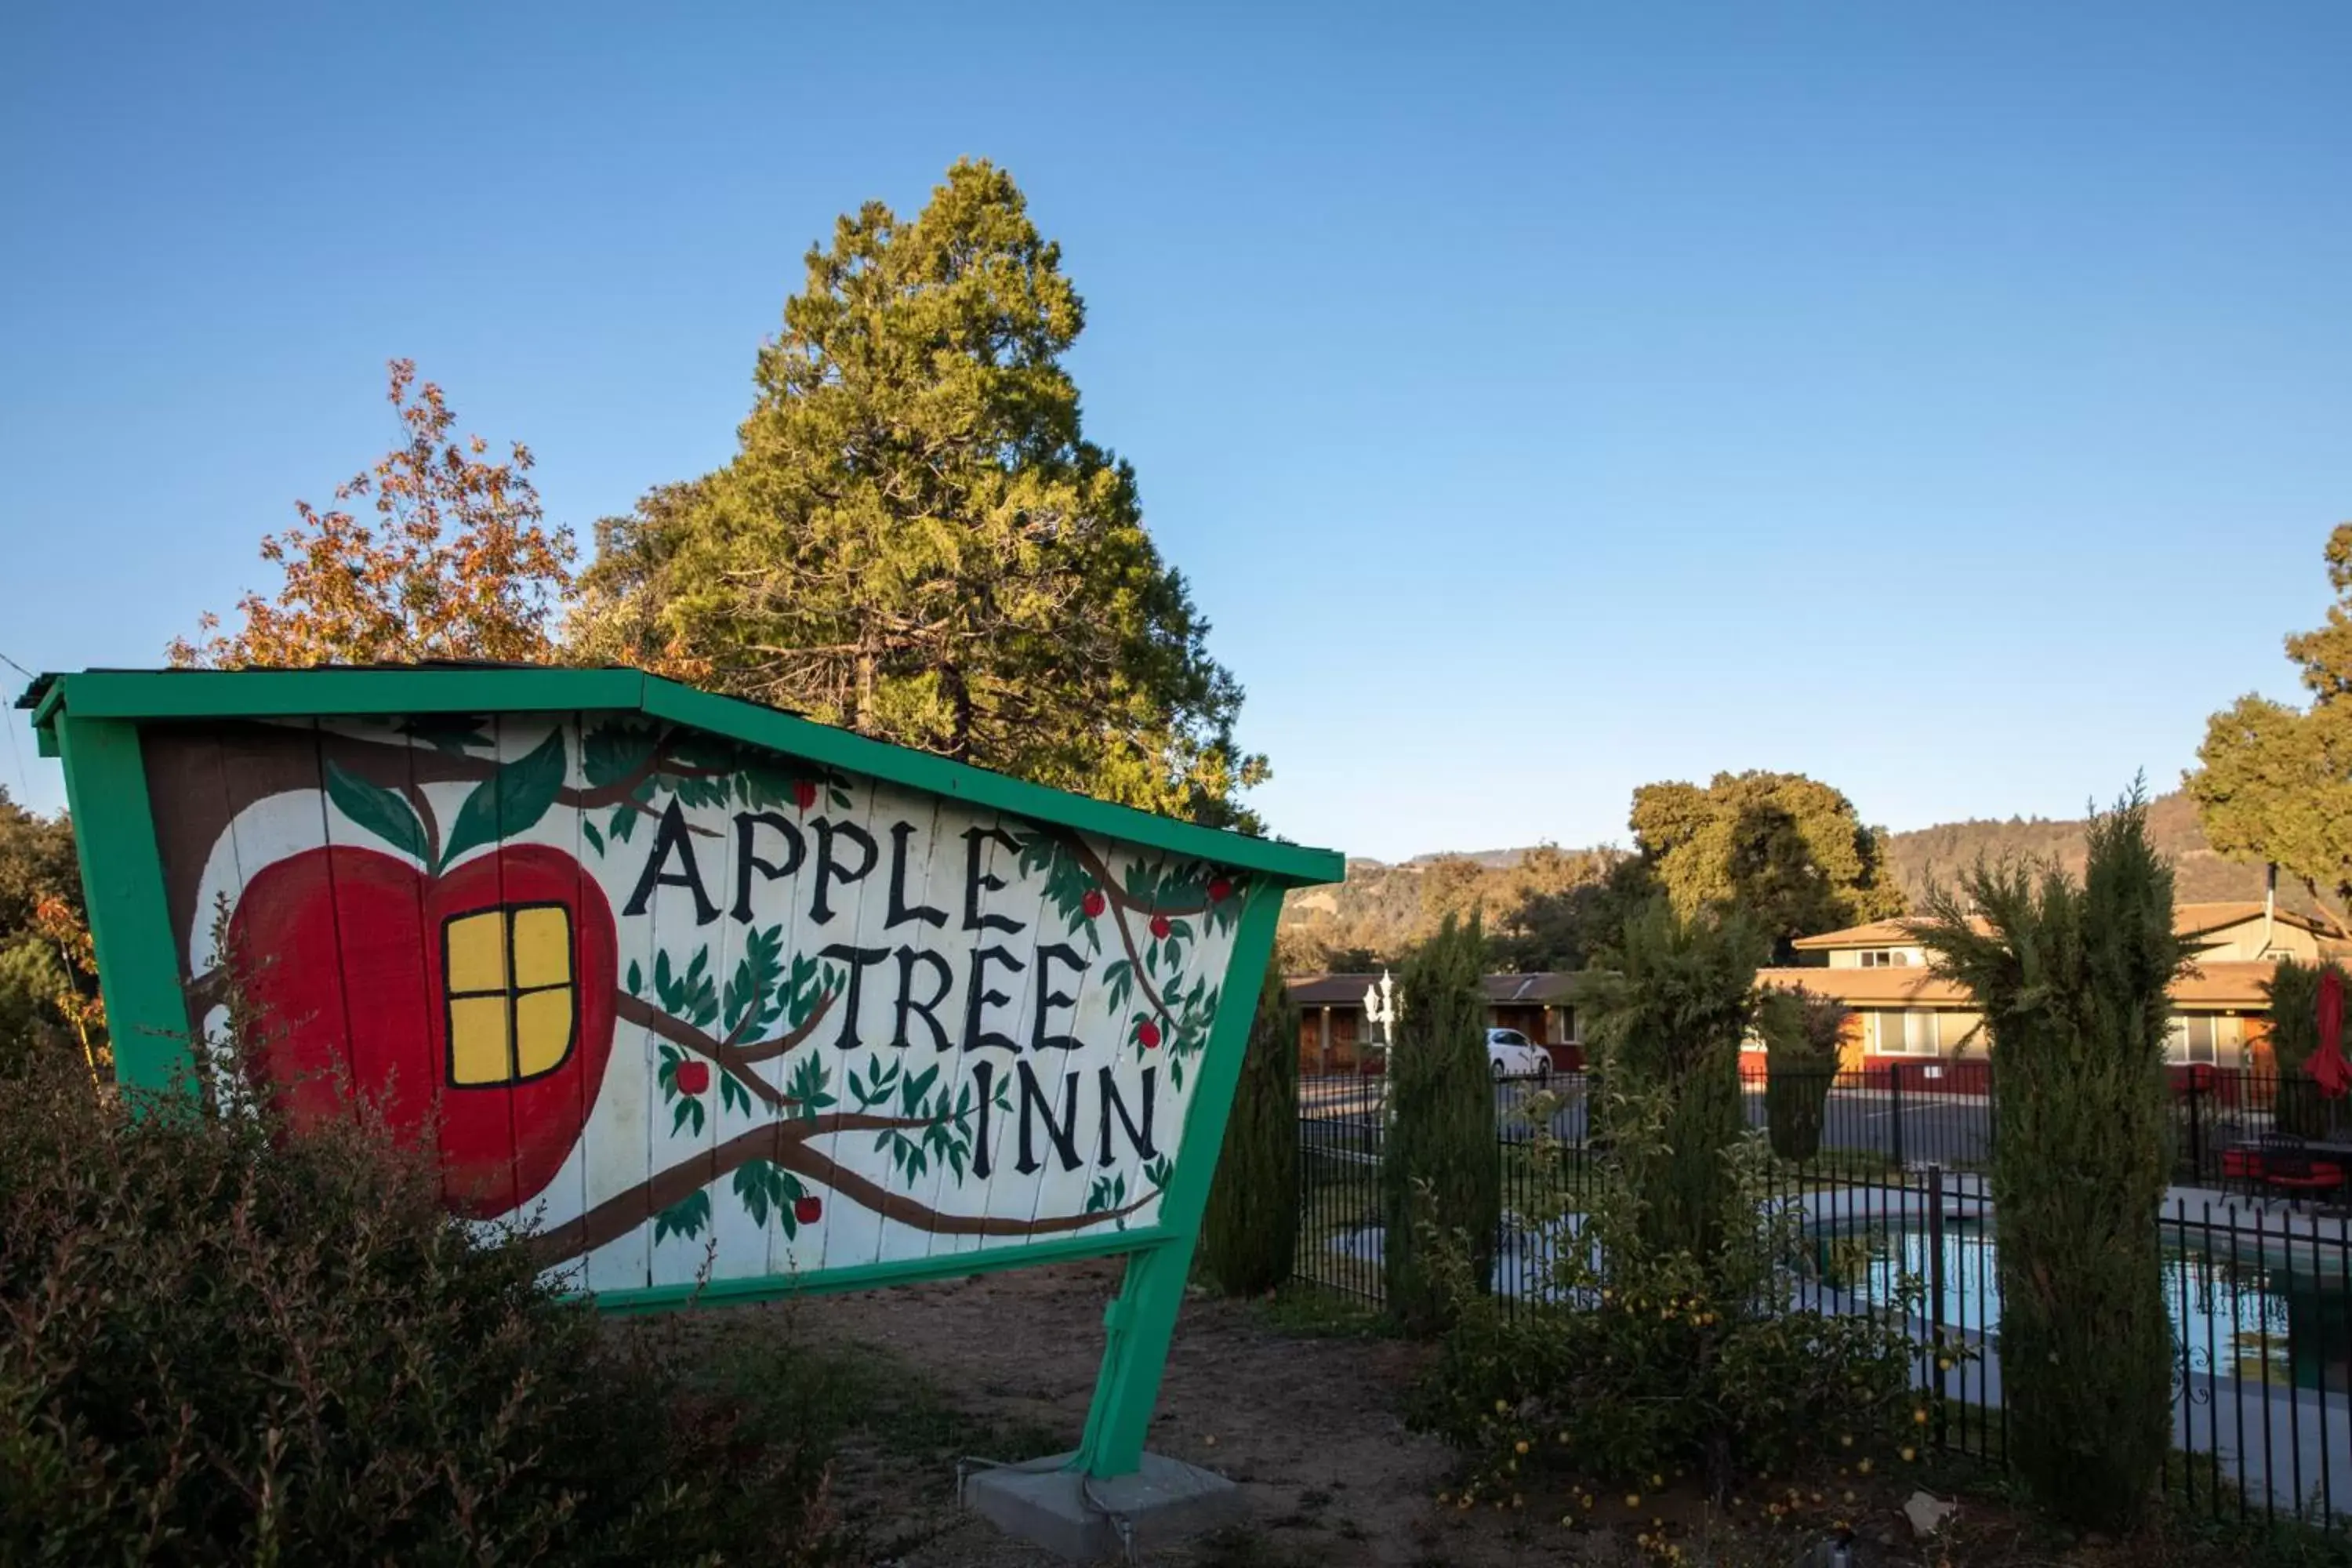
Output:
x=456 y=561
x=48 y=976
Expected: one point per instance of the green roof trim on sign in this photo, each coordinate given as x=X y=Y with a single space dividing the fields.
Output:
x=328 y=691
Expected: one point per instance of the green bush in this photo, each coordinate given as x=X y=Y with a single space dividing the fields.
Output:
x=1666 y=1339
x=2074 y=982
x=1250 y=1234
x=1802 y=1033
x=223 y=1342
x=1441 y=1173
x=1634 y=1362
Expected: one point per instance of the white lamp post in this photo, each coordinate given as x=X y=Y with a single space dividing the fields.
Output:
x=1380 y=1007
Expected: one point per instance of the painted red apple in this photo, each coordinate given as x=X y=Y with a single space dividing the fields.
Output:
x=804 y=792
x=1148 y=1032
x=478 y=1001
x=1220 y=890
x=808 y=1210
x=1093 y=903
x=693 y=1078
x=1159 y=928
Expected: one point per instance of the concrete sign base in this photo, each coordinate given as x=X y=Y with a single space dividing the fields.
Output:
x=1055 y=1505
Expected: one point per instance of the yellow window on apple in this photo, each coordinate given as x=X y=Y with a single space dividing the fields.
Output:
x=542 y=948
x=506 y=1023
x=478 y=1040
x=542 y=1029
x=477 y=949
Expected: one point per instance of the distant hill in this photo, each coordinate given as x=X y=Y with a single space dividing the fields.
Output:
x=1382 y=908
x=1942 y=852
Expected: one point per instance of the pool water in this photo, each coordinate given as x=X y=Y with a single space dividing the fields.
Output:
x=2267 y=1318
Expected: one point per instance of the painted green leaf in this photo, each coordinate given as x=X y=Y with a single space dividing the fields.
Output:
x=510 y=801
x=757 y=1185
x=455 y=733
x=614 y=750
x=379 y=811
x=684 y=1217
x=588 y=831
x=751 y=996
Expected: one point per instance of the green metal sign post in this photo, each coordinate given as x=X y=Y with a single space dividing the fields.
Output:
x=724 y=1004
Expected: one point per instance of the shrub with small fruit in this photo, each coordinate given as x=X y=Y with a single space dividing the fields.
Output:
x=1664 y=1340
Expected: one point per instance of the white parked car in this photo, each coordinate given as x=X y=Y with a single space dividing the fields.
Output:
x=1511 y=1053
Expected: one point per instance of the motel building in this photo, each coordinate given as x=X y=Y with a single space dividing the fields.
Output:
x=1335 y=1036
x=1909 y=1026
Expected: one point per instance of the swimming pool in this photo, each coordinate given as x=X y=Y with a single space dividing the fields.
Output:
x=2280 y=1313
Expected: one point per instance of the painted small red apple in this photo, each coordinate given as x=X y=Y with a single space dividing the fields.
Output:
x=1093 y=903
x=804 y=792
x=1220 y=890
x=692 y=1078
x=1159 y=928
x=479 y=1002
x=808 y=1210
x=1148 y=1032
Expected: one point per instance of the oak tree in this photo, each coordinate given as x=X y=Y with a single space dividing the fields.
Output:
x=455 y=562
x=1790 y=852
x=2274 y=781
x=916 y=540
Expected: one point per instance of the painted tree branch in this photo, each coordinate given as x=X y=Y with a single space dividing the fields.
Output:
x=1119 y=895
x=786 y=1142
x=1119 y=904
x=736 y=1059
x=206 y=992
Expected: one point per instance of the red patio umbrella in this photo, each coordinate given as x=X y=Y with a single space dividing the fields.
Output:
x=2327 y=1067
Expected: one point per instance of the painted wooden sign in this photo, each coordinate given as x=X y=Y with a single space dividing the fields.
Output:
x=698 y=991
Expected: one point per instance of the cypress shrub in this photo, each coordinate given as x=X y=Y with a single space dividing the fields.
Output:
x=2300 y=1108
x=1801 y=1033
x=1441 y=1168
x=2073 y=981
x=1676 y=1002
x=1250 y=1233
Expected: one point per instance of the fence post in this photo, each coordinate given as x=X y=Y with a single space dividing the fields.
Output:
x=1936 y=1290
x=2195 y=1127
x=1895 y=1090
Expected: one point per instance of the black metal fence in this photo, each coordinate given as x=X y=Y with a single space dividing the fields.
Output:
x=2258 y=1278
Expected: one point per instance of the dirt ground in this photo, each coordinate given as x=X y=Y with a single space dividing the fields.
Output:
x=1309 y=1427
x=1308 y=1417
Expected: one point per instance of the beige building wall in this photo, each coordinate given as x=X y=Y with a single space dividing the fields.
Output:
x=2247 y=939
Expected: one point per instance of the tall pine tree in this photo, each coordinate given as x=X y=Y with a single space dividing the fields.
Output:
x=916 y=540
x=2074 y=982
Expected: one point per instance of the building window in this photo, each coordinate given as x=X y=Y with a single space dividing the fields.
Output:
x=1910 y=1033
x=507 y=972
x=1885 y=958
x=2192 y=1038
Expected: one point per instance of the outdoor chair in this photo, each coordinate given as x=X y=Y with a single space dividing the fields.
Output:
x=2241 y=1169
x=2286 y=1165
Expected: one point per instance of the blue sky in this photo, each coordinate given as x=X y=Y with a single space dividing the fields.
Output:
x=1951 y=402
